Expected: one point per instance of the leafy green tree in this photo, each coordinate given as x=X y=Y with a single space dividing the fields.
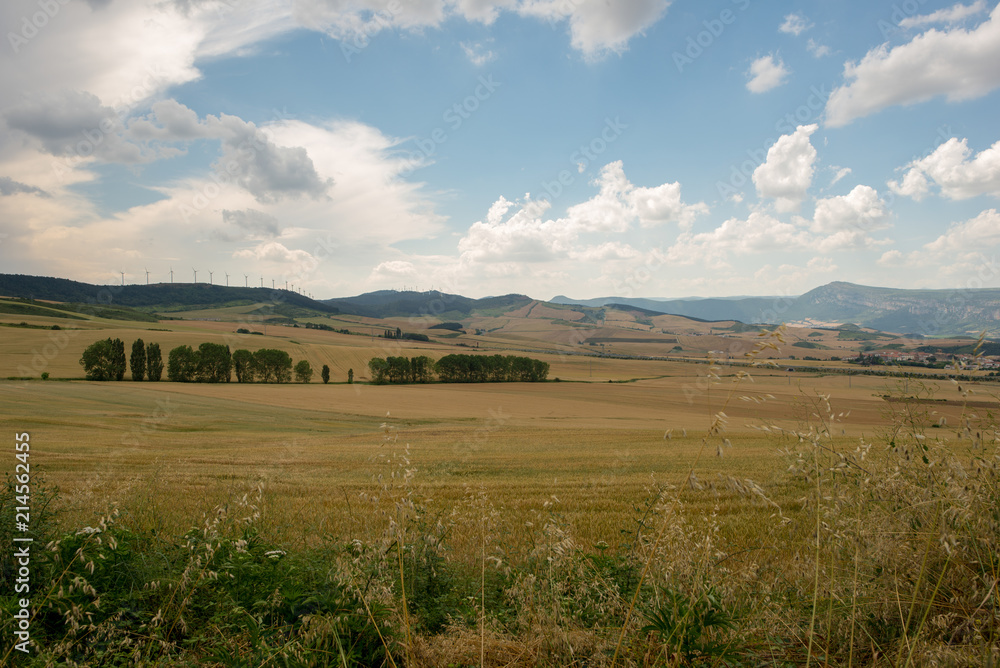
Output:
x=98 y=360
x=119 y=359
x=420 y=369
x=243 y=365
x=325 y=374
x=303 y=371
x=398 y=369
x=520 y=369
x=377 y=369
x=490 y=368
x=449 y=368
x=350 y=376
x=273 y=366
x=182 y=364
x=283 y=367
x=498 y=368
x=154 y=362
x=215 y=364
x=138 y=360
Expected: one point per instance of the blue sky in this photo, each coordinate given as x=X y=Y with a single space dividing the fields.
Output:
x=579 y=147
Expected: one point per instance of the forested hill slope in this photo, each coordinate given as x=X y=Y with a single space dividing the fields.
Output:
x=160 y=295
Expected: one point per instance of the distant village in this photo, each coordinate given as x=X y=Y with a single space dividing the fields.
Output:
x=934 y=360
x=939 y=359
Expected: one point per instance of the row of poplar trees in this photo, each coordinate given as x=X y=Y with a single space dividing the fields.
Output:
x=105 y=360
x=213 y=363
x=209 y=363
x=457 y=368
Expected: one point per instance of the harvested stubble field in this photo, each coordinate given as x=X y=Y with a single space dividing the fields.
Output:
x=520 y=520
x=595 y=446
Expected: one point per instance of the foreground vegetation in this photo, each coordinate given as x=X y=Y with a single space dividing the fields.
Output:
x=874 y=551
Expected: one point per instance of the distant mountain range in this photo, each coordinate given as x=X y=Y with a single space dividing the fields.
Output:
x=919 y=312
x=922 y=312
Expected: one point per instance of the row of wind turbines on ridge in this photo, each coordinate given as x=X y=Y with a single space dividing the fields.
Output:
x=246 y=280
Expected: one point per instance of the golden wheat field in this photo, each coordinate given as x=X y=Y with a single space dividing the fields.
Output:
x=591 y=447
x=596 y=446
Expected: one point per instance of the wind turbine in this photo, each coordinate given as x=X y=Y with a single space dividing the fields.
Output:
x=227 y=279
x=122 y=272
x=261 y=281
x=246 y=280
x=171 y=275
x=272 y=284
x=210 y=277
x=147 y=276
x=195 y=274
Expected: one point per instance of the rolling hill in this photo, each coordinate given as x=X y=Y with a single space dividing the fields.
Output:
x=744 y=309
x=432 y=304
x=926 y=313
x=163 y=297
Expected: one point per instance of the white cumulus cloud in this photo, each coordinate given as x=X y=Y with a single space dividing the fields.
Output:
x=891 y=258
x=759 y=232
x=596 y=27
x=974 y=234
x=619 y=206
x=818 y=50
x=275 y=253
x=478 y=53
x=795 y=24
x=841 y=172
x=766 y=73
x=524 y=237
x=958 y=63
x=965 y=253
x=787 y=172
x=841 y=223
x=845 y=221
x=396 y=269
x=955 y=170
x=663 y=204
x=948 y=15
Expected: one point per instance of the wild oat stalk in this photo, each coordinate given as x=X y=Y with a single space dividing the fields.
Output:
x=371 y=620
x=482 y=592
x=74 y=615
x=812 y=618
x=768 y=340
